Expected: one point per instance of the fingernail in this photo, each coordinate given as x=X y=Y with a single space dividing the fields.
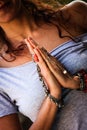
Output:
x=36 y=58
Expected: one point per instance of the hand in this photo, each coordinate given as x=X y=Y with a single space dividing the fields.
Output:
x=57 y=69
x=61 y=74
x=52 y=83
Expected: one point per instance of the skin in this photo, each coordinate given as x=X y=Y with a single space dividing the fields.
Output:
x=26 y=28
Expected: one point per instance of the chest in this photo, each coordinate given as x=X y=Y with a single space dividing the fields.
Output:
x=45 y=36
x=49 y=37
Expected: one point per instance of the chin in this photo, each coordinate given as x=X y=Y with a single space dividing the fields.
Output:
x=6 y=18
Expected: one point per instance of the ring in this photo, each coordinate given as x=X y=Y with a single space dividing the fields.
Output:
x=64 y=72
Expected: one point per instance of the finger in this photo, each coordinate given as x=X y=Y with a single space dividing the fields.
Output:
x=58 y=73
x=45 y=56
x=45 y=72
x=32 y=42
x=65 y=79
x=42 y=64
x=39 y=56
x=30 y=47
x=42 y=56
x=52 y=62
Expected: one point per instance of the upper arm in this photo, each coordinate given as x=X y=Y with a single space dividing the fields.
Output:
x=10 y=122
x=7 y=107
x=8 y=114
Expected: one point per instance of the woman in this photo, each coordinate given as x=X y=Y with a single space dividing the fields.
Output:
x=63 y=34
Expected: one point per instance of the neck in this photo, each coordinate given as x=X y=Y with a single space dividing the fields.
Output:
x=19 y=28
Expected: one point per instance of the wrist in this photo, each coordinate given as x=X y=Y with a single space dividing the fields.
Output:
x=56 y=93
x=55 y=98
x=57 y=101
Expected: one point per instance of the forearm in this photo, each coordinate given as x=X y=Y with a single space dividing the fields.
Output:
x=46 y=116
x=63 y=77
x=48 y=109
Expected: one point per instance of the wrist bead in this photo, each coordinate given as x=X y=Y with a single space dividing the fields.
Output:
x=58 y=102
x=83 y=80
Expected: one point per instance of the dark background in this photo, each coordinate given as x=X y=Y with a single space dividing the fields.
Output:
x=54 y=2
x=65 y=1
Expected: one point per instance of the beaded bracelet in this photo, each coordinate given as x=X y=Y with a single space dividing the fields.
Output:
x=83 y=80
x=58 y=102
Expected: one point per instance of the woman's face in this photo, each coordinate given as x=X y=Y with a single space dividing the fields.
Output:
x=9 y=9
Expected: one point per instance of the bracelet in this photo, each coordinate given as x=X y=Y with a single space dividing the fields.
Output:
x=82 y=74
x=59 y=102
x=82 y=83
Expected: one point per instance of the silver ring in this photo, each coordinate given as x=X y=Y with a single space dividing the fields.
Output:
x=64 y=71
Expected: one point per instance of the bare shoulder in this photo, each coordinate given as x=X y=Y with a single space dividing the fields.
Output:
x=78 y=2
x=78 y=5
x=78 y=8
x=78 y=11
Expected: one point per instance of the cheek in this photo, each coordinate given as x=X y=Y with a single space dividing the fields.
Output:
x=8 y=17
x=5 y=18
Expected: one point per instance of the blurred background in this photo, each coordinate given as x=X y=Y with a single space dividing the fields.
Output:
x=54 y=2
x=61 y=1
